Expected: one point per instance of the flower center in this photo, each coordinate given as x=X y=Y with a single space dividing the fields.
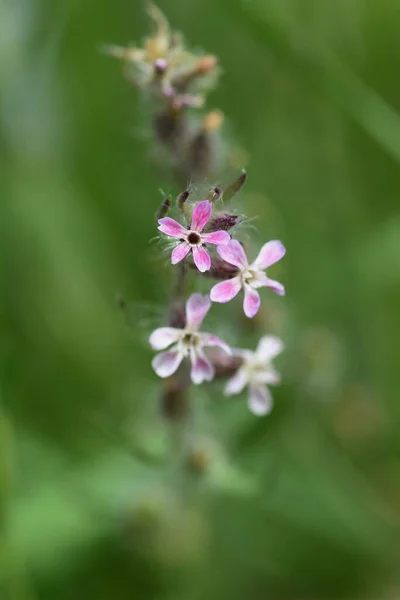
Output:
x=193 y=238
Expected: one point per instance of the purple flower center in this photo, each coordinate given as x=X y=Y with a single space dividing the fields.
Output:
x=193 y=238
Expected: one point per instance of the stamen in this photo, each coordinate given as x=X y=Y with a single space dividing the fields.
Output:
x=193 y=238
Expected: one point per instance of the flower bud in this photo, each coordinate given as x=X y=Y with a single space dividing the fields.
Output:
x=163 y=209
x=224 y=221
x=234 y=187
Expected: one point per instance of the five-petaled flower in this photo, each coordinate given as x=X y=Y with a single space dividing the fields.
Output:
x=192 y=239
x=256 y=372
x=187 y=342
x=249 y=277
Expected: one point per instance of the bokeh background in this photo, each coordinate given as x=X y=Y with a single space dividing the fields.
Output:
x=95 y=501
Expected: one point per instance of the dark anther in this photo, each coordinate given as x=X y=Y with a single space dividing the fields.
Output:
x=193 y=238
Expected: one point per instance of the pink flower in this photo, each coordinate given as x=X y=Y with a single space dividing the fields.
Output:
x=250 y=277
x=255 y=372
x=187 y=342
x=193 y=239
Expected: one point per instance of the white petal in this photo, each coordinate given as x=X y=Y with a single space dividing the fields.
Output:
x=166 y=363
x=268 y=347
x=208 y=339
x=163 y=337
x=269 y=254
x=196 y=309
x=236 y=384
x=202 y=369
x=260 y=400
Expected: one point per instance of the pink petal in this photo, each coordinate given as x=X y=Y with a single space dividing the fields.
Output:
x=201 y=213
x=163 y=337
x=201 y=258
x=166 y=363
x=268 y=347
x=180 y=252
x=208 y=339
x=202 y=369
x=196 y=309
x=171 y=227
x=226 y=290
x=233 y=254
x=260 y=400
x=236 y=384
x=269 y=254
x=275 y=286
x=251 y=302
x=218 y=238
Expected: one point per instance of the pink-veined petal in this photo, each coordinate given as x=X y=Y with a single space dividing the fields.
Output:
x=260 y=400
x=218 y=238
x=236 y=384
x=166 y=363
x=180 y=252
x=202 y=369
x=275 y=286
x=269 y=254
x=163 y=337
x=201 y=214
x=171 y=227
x=226 y=290
x=233 y=254
x=268 y=347
x=201 y=258
x=208 y=339
x=251 y=302
x=197 y=307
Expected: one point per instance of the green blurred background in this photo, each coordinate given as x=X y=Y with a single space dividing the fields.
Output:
x=94 y=501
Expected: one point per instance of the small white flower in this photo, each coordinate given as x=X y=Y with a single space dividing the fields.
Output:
x=256 y=371
x=187 y=342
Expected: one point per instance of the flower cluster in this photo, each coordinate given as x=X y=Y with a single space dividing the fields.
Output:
x=177 y=80
x=193 y=241
x=203 y=240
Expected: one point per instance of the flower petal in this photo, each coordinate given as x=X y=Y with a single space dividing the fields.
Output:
x=226 y=290
x=201 y=258
x=269 y=254
x=197 y=307
x=208 y=339
x=166 y=363
x=236 y=383
x=202 y=369
x=275 y=286
x=201 y=214
x=163 y=337
x=251 y=302
x=180 y=252
x=233 y=254
x=268 y=347
x=217 y=237
x=171 y=227
x=260 y=400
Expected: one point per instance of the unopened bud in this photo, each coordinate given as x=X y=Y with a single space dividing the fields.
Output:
x=234 y=187
x=225 y=222
x=182 y=198
x=169 y=128
x=214 y=194
x=205 y=64
x=160 y=66
x=163 y=209
x=198 y=461
x=213 y=120
x=220 y=269
x=200 y=155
